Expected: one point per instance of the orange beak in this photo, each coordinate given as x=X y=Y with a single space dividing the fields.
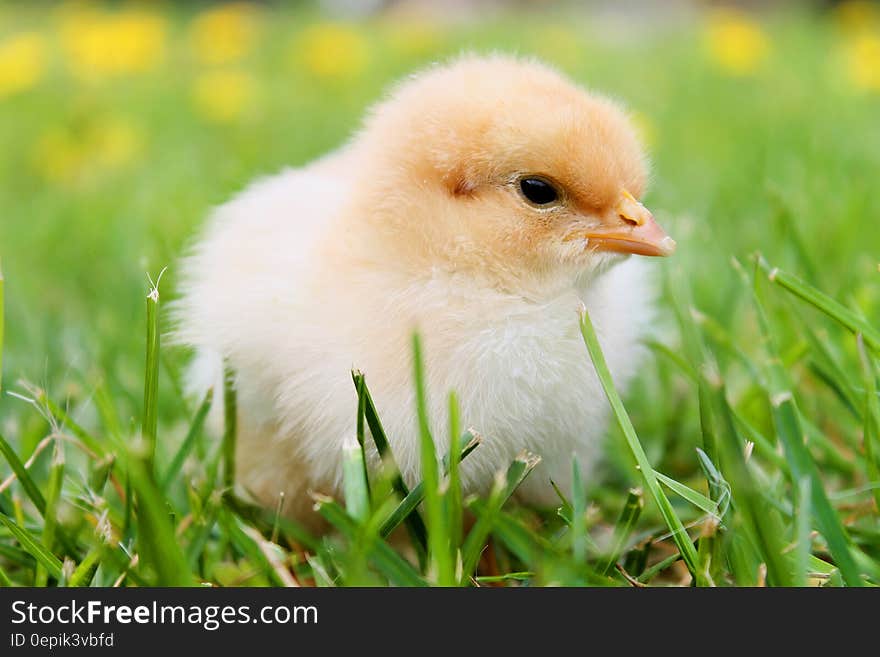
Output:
x=633 y=230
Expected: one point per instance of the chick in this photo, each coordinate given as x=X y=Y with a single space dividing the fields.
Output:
x=481 y=204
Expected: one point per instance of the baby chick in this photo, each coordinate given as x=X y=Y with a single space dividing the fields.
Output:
x=481 y=204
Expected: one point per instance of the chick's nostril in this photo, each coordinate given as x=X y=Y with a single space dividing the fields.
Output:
x=628 y=220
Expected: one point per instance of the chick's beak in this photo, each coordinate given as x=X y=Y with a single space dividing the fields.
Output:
x=631 y=229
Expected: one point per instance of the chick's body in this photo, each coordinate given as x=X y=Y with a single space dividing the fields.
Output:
x=421 y=223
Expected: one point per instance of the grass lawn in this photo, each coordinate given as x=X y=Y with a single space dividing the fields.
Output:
x=747 y=452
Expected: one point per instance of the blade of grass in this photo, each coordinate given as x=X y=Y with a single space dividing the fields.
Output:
x=354 y=482
x=85 y=571
x=5 y=582
x=149 y=426
x=32 y=546
x=158 y=546
x=758 y=521
x=789 y=428
x=697 y=499
x=2 y=320
x=195 y=548
x=710 y=548
x=829 y=369
x=503 y=488
x=578 y=515
x=681 y=363
x=360 y=433
x=629 y=515
x=15 y=555
x=871 y=421
x=417 y=494
x=704 y=365
x=652 y=571
x=825 y=571
x=522 y=576
x=439 y=547
x=717 y=482
x=50 y=518
x=395 y=567
x=414 y=523
x=189 y=441
x=319 y=572
x=23 y=476
x=230 y=428
x=803 y=526
x=128 y=511
x=827 y=376
x=453 y=498
x=822 y=302
x=679 y=534
x=565 y=511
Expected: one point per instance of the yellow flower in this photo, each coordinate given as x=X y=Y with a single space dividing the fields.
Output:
x=857 y=16
x=22 y=63
x=736 y=42
x=333 y=51
x=99 y=45
x=226 y=33
x=862 y=57
x=64 y=155
x=224 y=96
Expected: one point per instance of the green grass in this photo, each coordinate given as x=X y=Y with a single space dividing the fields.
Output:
x=747 y=452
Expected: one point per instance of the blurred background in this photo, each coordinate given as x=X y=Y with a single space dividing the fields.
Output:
x=122 y=124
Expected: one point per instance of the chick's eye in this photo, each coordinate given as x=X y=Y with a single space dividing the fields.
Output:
x=538 y=191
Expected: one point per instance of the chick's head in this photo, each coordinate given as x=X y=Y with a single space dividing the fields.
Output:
x=504 y=166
